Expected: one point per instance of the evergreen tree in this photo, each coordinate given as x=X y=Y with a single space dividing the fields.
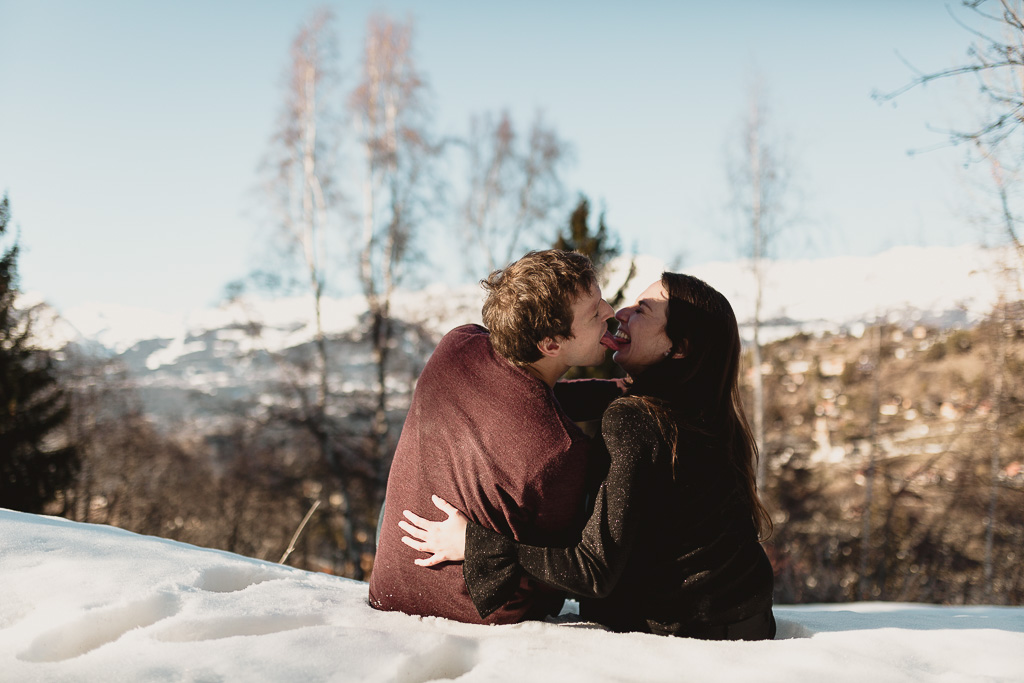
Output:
x=32 y=406
x=601 y=248
x=599 y=245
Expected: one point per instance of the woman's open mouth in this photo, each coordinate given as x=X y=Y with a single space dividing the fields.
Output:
x=615 y=341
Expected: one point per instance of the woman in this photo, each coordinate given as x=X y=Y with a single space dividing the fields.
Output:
x=671 y=546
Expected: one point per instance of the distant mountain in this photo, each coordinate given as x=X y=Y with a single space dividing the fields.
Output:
x=247 y=356
x=938 y=285
x=209 y=360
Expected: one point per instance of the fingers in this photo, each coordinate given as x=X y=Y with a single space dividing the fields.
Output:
x=417 y=520
x=427 y=536
x=415 y=544
x=415 y=532
x=422 y=547
x=444 y=506
x=436 y=558
x=430 y=561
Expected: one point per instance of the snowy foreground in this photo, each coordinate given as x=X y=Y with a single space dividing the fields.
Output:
x=83 y=602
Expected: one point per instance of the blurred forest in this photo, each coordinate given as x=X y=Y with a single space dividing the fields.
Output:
x=891 y=459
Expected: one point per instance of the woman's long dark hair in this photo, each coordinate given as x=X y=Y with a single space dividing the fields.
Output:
x=700 y=391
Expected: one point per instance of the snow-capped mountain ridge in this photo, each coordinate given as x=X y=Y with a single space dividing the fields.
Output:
x=940 y=285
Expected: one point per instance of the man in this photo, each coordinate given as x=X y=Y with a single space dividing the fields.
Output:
x=486 y=433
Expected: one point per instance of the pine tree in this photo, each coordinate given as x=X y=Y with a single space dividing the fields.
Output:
x=598 y=245
x=32 y=405
x=601 y=248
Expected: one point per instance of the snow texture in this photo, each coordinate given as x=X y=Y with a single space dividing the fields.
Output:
x=93 y=603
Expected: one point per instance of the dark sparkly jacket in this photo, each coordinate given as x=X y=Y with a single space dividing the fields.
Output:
x=658 y=555
x=492 y=440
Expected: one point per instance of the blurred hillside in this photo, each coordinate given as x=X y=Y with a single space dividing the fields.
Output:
x=210 y=362
x=912 y=410
x=880 y=392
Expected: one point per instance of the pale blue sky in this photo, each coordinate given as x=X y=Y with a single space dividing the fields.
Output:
x=130 y=132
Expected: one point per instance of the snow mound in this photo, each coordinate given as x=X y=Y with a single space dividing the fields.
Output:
x=94 y=603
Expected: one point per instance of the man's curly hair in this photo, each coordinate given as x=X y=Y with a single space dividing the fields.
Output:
x=532 y=299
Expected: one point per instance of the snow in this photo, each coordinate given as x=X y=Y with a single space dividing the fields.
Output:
x=93 y=603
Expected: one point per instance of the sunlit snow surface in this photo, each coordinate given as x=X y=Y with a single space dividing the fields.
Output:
x=83 y=602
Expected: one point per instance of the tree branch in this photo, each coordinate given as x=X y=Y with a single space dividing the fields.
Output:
x=295 y=536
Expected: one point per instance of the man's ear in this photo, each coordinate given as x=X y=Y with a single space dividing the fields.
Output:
x=549 y=347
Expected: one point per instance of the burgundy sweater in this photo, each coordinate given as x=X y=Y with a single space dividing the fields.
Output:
x=491 y=439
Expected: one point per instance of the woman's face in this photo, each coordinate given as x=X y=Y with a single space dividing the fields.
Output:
x=640 y=341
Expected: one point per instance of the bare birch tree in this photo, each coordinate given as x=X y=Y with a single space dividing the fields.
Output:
x=995 y=58
x=874 y=444
x=1008 y=285
x=305 y=201
x=995 y=61
x=760 y=181
x=301 y=186
x=392 y=122
x=514 y=185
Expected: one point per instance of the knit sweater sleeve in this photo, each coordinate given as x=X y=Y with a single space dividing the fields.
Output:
x=591 y=568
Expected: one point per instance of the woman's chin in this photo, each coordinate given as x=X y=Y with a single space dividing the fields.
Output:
x=621 y=359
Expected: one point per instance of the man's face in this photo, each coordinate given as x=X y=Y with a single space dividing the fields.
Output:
x=590 y=315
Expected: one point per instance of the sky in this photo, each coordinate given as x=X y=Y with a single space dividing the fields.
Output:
x=131 y=132
x=93 y=603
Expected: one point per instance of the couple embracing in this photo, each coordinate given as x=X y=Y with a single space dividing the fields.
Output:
x=653 y=525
